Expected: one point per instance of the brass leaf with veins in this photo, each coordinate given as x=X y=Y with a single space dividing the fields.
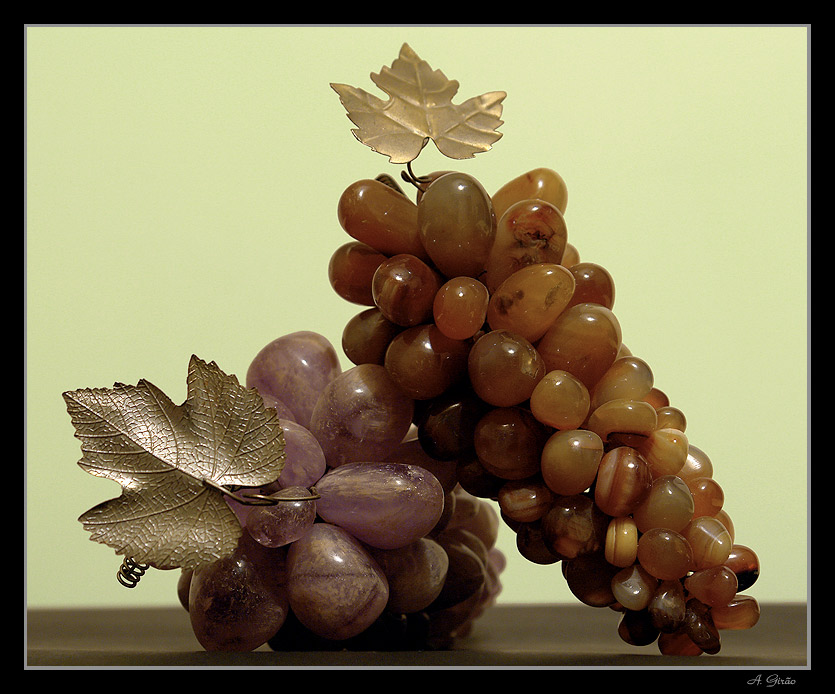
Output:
x=172 y=462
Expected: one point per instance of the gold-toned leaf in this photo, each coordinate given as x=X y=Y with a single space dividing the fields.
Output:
x=170 y=461
x=420 y=108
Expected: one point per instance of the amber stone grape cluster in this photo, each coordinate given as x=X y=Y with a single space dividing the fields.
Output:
x=483 y=314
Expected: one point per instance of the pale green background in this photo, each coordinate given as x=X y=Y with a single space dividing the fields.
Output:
x=181 y=198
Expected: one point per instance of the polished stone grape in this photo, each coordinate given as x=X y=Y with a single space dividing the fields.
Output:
x=623 y=479
x=560 y=400
x=584 y=340
x=621 y=544
x=361 y=415
x=668 y=605
x=295 y=369
x=305 y=460
x=457 y=224
x=570 y=460
x=335 y=587
x=508 y=442
x=284 y=522
x=351 y=269
x=504 y=368
x=460 y=307
x=666 y=451
x=379 y=216
x=708 y=496
x=574 y=526
x=715 y=586
x=696 y=464
x=385 y=505
x=636 y=628
x=445 y=429
x=593 y=284
x=237 y=603
x=709 y=540
x=623 y=416
x=529 y=301
x=539 y=184
x=628 y=377
x=589 y=578
x=525 y=500
x=665 y=553
x=528 y=233
x=415 y=574
x=530 y=543
x=699 y=626
x=667 y=504
x=745 y=563
x=670 y=417
x=367 y=335
x=424 y=362
x=404 y=289
x=633 y=587
x=742 y=612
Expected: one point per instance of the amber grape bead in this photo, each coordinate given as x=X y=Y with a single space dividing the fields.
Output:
x=529 y=301
x=623 y=479
x=665 y=553
x=525 y=501
x=589 y=578
x=457 y=224
x=714 y=586
x=375 y=214
x=699 y=626
x=696 y=464
x=540 y=184
x=404 y=289
x=570 y=460
x=560 y=400
x=424 y=362
x=460 y=307
x=670 y=417
x=529 y=232
x=351 y=269
x=709 y=540
x=636 y=628
x=570 y=257
x=627 y=378
x=742 y=612
x=668 y=605
x=633 y=587
x=504 y=368
x=666 y=451
x=708 y=496
x=574 y=526
x=668 y=504
x=744 y=562
x=508 y=442
x=623 y=416
x=366 y=337
x=532 y=546
x=583 y=340
x=621 y=547
x=592 y=284
x=447 y=426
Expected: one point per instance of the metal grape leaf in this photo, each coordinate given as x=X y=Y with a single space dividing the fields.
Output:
x=420 y=108
x=172 y=461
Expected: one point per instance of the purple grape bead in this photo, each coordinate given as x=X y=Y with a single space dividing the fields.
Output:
x=294 y=369
x=304 y=460
x=361 y=415
x=239 y=602
x=385 y=505
x=335 y=587
x=415 y=573
x=280 y=524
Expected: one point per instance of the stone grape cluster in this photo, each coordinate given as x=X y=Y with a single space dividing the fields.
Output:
x=490 y=385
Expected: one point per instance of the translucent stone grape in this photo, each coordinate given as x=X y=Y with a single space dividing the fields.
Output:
x=699 y=626
x=623 y=479
x=667 y=504
x=351 y=269
x=466 y=573
x=284 y=413
x=574 y=526
x=665 y=553
x=425 y=363
x=446 y=427
x=742 y=612
x=531 y=544
x=237 y=603
x=529 y=232
x=295 y=369
x=723 y=517
x=560 y=400
x=366 y=337
x=584 y=340
x=696 y=464
x=540 y=184
x=280 y=524
x=570 y=460
x=415 y=574
x=670 y=417
x=666 y=451
x=593 y=284
x=404 y=289
x=714 y=586
x=628 y=377
x=623 y=416
x=525 y=501
x=304 y=459
x=621 y=544
x=709 y=540
x=460 y=307
x=528 y=301
x=668 y=605
x=379 y=216
x=636 y=628
x=335 y=587
x=589 y=578
x=743 y=561
x=508 y=442
x=678 y=643
x=571 y=256
x=476 y=516
x=504 y=368
x=361 y=415
x=708 y=496
x=411 y=452
x=385 y=505
x=457 y=224
x=633 y=587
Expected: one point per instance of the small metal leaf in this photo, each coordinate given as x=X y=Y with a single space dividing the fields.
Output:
x=172 y=463
x=420 y=109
